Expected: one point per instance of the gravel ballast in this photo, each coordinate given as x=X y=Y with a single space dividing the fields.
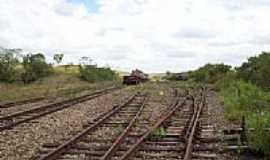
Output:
x=22 y=142
x=217 y=120
x=19 y=108
x=47 y=101
x=25 y=141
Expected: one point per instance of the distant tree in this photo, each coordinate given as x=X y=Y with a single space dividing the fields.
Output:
x=8 y=62
x=256 y=70
x=86 y=61
x=35 y=67
x=58 y=58
x=92 y=73
x=210 y=73
x=168 y=73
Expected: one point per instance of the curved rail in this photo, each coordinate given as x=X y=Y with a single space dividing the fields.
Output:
x=124 y=134
x=189 y=113
x=134 y=148
x=194 y=125
x=57 y=152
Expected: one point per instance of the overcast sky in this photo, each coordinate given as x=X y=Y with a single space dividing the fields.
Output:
x=153 y=35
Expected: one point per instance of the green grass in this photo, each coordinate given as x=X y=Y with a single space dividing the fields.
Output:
x=245 y=99
x=72 y=70
x=61 y=83
x=158 y=133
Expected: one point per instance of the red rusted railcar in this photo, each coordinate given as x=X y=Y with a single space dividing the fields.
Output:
x=135 y=77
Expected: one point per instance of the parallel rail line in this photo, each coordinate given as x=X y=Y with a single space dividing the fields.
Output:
x=12 y=120
x=84 y=143
x=183 y=133
x=22 y=102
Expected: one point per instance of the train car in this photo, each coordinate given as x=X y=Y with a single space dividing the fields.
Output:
x=135 y=77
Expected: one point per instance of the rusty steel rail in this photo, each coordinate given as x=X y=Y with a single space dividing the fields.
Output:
x=10 y=121
x=108 y=155
x=57 y=152
x=194 y=124
x=188 y=130
x=22 y=102
x=167 y=115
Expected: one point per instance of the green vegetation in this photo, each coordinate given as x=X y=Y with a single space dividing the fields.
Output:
x=49 y=87
x=170 y=76
x=15 y=67
x=58 y=58
x=92 y=73
x=246 y=99
x=245 y=92
x=29 y=76
x=8 y=63
x=35 y=67
x=257 y=70
x=156 y=78
x=210 y=73
x=241 y=97
x=158 y=133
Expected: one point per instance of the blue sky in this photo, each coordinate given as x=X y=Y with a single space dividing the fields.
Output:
x=91 y=5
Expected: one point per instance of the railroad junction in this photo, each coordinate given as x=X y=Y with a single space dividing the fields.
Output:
x=148 y=121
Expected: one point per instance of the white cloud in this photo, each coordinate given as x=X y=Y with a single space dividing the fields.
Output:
x=154 y=35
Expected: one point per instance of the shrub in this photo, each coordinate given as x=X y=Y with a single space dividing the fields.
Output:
x=91 y=73
x=245 y=99
x=256 y=70
x=8 y=64
x=225 y=81
x=35 y=67
x=210 y=73
x=170 y=76
x=259 y=138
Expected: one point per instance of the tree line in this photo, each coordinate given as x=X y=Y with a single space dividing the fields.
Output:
x=27 y=68
x=256 y=71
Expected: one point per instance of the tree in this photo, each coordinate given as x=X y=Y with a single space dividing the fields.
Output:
x=168 y=73
x=210 y=73
x=58 y=58
x=256 y=70
x=35 y=67
x=92 y=73
x=8 y=62
x=86 y=61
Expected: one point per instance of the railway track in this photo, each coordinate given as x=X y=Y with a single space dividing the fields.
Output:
x=101 y=137
x=12 y=120
x=179 y=134
x=198 y=137
x=121 y=128
x=182 y=132
x=163 y=140
x=22 y=102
